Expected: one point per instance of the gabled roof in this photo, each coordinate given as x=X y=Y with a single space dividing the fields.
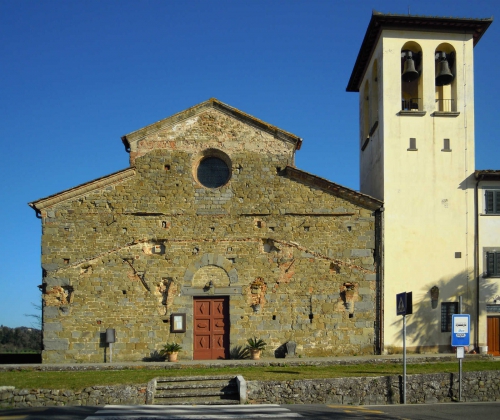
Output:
x=487 y=175
x=361 y=199
x=380 y=21
x=82 y=189
x=210 y=104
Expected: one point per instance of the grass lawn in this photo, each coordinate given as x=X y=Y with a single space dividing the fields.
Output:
x=79 y=380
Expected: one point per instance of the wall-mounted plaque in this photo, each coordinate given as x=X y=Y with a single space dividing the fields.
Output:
x=178 y=323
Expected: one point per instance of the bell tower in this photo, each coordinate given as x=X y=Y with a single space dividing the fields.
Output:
x=415 y=76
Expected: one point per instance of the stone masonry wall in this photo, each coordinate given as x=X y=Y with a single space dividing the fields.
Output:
x=95 y=395
x=297 y=262
x=433 y=388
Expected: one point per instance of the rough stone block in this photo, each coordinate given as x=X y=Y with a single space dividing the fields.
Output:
x=50 y=312
x=50 y=266
x=52 y=326
x=364 y=306
x=52 y=344
x=53 y=281
x=360 y=253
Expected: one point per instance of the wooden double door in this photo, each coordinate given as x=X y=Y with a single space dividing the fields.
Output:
x=211 y=328
x=493 y=331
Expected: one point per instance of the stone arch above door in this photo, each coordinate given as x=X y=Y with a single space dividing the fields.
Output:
x=211 y=259
x=211 y=266
x=210 y=275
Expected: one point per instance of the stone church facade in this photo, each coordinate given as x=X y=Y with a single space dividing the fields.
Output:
x=210 y=237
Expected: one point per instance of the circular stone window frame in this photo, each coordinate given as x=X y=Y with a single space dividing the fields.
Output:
x=212 y=153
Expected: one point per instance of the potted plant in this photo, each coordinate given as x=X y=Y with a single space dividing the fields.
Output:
x=255 y=346
x=170 y=350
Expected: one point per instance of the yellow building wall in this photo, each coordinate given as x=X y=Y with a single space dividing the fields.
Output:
x=488 y=240
x=428 y=193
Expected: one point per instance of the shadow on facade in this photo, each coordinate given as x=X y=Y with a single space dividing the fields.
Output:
x=425 y=327
x=154 y=356
x=239 y=352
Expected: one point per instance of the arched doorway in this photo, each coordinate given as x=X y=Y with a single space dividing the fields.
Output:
x=210 y=315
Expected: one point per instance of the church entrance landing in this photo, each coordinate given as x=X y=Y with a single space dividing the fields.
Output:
x=211 y=328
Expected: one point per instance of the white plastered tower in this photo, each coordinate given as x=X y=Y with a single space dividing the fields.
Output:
x=415 y=76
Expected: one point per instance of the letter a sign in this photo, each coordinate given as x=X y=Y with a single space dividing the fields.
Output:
x=404 y=304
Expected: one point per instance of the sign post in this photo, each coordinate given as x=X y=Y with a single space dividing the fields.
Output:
x=404 y=306
x=460 y=337
x=110 y=339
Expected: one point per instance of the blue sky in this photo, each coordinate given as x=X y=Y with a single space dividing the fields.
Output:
x=77 y=75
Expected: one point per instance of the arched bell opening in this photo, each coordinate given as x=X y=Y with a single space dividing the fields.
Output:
x=411 y=82
x=444 y=73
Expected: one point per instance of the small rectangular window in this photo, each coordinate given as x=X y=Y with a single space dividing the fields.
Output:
x=447 y=310
x=446 y=145
x=492 y=204
x=413 y=144
x=493 y=264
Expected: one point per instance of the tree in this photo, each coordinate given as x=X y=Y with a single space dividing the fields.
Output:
x=21 y=339
x=37 y=317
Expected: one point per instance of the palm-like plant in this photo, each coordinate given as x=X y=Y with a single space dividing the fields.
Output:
x=170 y=348
x=256 y=344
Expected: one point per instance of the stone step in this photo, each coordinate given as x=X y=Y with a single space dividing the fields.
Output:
x=199 y=385
x=197 y=393
x=201 y=390
x=193 y=378
x=196 y=401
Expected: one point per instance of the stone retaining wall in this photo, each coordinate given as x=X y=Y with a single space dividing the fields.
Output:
x=432 y=388
x=476 y=387
x=95 y=395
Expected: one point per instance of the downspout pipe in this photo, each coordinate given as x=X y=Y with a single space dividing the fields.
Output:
x=381 y=258
x=476 y=256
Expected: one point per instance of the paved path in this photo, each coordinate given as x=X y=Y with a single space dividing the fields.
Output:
x=451 y=411
x=178 y=412
x=311 y=361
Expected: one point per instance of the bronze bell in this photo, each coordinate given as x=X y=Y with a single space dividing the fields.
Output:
x=444 y=76
x=409 y=72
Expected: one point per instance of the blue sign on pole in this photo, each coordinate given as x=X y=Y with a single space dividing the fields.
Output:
x=460 y=330
x=404 y=304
